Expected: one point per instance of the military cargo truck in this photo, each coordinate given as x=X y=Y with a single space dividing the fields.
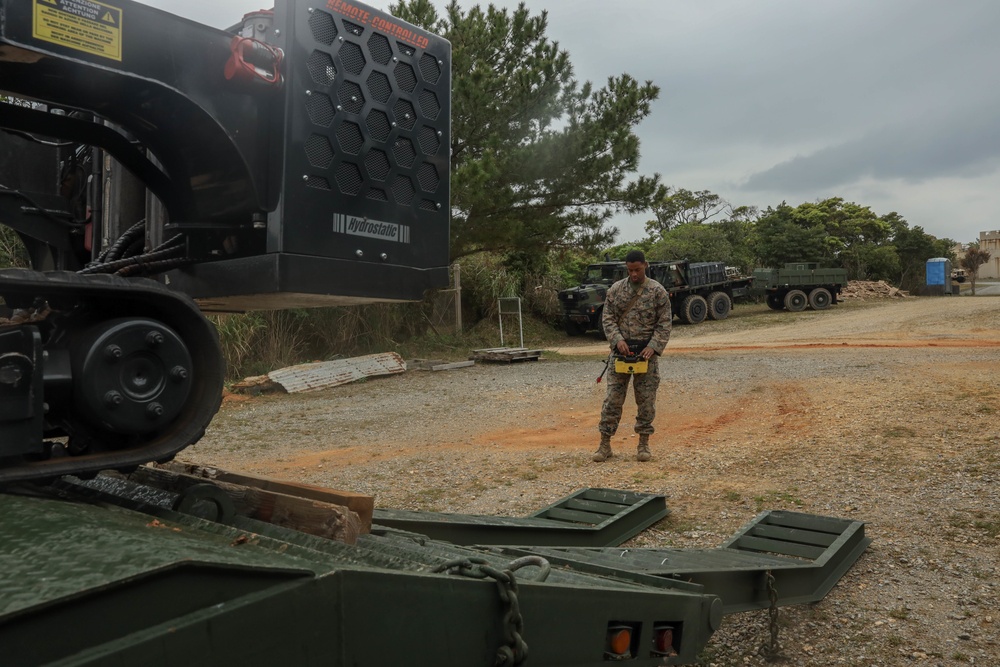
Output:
x=583 y=305
x=700 y=290
x=800 y=284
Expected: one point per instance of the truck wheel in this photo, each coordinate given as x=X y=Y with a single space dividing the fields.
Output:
x=694 y=309
x=775 y=302
x=820 y=298
x=574 y=328
x=719 y=305
x=796 y=300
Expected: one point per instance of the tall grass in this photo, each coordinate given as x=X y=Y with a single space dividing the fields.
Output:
x=258 y=342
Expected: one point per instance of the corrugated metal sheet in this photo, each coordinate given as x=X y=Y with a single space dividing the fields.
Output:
x=325 y=374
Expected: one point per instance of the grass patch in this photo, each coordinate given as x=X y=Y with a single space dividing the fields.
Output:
x=431 y=494
x=900 y=613
x=988 y=526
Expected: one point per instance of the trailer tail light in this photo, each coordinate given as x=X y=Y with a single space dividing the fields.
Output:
x=663 y=640
x=618 y=645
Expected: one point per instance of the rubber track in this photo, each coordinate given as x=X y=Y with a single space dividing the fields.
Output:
x=112 y=296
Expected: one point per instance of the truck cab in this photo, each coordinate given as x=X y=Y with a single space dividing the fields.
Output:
x=583 y=305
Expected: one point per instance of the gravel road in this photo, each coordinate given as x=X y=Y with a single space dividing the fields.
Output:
x=883 y=412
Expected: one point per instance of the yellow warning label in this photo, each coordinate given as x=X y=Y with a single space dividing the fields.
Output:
x=82 y=25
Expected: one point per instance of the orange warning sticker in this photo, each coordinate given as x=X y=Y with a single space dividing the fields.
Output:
x=82 y=25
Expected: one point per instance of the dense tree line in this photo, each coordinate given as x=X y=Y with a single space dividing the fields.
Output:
x=833 y=232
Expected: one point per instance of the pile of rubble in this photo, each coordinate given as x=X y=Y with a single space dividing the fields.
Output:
x=869 y=289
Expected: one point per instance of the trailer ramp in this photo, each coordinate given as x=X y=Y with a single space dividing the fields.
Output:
x=586 y=518
x=805 y=554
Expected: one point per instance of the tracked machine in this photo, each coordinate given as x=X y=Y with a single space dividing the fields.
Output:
x=157 y=169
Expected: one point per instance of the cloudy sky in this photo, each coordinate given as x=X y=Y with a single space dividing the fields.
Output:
x=892 y=104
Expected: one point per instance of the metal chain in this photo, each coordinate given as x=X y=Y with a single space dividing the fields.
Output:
x=772 y=651
x=514 y=651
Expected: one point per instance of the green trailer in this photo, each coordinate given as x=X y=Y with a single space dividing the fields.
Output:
x=798 y=285
x=113 y=571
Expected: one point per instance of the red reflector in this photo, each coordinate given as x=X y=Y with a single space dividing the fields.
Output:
x=619 y=640
x=663 y=640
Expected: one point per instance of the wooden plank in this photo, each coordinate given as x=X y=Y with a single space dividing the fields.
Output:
x=334 y=522
x=422 y=364
x=507 y=354
x=360 y=504
x=453 y=365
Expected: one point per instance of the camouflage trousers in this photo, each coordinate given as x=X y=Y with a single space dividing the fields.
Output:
x=644 y=384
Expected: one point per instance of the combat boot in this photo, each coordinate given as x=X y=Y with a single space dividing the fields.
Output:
x=603 y=452
x=642 y=451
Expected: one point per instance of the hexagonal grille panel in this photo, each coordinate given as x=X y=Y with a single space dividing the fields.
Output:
x=371 y=123
x=349 y=178
x=378 y=47
x=402 y=190
x=319 y=152
x=351 y=99
x=352 y=58
x=378 y=125
x=429 y=104
x=377 y=164
x=318 y=182
x=353 y=28
x=428 y=139
x=323 y=28
x=429 y=68
x=349 y=138
x=427 y=176
x=379 y=87
x=403 y=151
x=321 y=68
x=405 y=77
x=404 y=114
x=320 y=109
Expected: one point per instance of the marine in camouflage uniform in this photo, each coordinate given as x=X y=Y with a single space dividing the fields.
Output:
x=649 y=320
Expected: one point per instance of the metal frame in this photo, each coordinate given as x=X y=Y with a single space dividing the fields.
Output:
x=508 y=300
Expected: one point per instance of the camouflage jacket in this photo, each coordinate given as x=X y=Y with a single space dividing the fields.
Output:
x=649 y=317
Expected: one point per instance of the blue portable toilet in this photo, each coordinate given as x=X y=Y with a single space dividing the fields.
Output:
x=939 y=276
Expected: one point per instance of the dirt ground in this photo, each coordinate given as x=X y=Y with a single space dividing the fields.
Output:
x=884 y=412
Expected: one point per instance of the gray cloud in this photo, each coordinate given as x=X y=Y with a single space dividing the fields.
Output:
x=956 y=146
